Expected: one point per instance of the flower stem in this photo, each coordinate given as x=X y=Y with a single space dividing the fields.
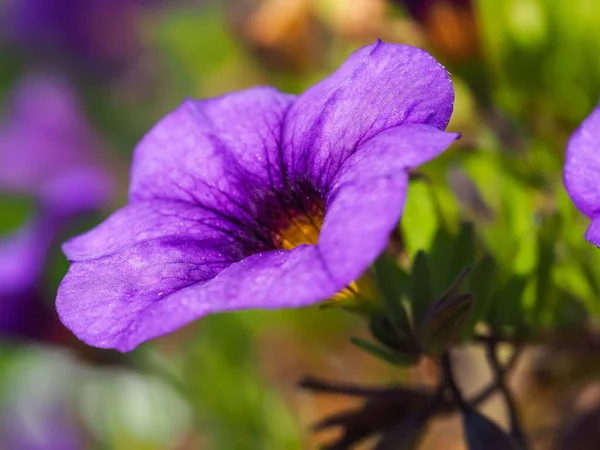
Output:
x=450 y=382
x=516 y=430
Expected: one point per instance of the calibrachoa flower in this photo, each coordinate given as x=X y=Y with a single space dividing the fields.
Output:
x=47 y=152
x=259 y=199
x=582 y=172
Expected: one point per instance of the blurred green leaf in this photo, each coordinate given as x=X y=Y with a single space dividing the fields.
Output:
x=569 y=312
x=201 y=51
x=463 y=253
x=506 y=308
x=228 y=393
x=397 y=359
x=396 y=339
x=420 y=218
x=443 y=323
x=545 y=295
x=392 y=283
x=439 y=260
x=16 y=211
x=481 y=284
x=420 y=288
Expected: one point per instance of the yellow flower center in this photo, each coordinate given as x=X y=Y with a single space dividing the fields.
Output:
x=359 y=295
x=302 y=229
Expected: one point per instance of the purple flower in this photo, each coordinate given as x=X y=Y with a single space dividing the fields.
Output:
x=100 y=32
x=47 y=152
x=582 y=172
x=259 y=199
x=22 y=259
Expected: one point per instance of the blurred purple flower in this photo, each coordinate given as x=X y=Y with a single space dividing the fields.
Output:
x=48 y=152
x=259 y=199
x=22 y=258
x=48 y=149
x=100 y=32
x=582 y=172
x=54 y=432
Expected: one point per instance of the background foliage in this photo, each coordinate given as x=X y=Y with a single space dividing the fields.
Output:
x=526 y=73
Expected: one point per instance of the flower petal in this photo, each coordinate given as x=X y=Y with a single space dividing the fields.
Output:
x=100 y=298
x=159 y=220
x=593 y=232
x=582 y=166
x=380 y=86
x=368 y=197
x=148 y=290
x=220 y=153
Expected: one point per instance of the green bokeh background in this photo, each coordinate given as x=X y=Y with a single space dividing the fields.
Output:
x=227 y=382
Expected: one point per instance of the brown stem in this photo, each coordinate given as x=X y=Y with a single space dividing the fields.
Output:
x=499 y=372
x=334 y=387
x=450 y=382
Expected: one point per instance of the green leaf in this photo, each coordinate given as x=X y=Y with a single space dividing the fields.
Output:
x=440 y=259
x=384 y=354
x=481 y=285
x=421 y=290
x=463 y=252
x=547 y=237
x=483 y=434
x=443 y=324
x=15 y=212
x=453 y=289
x=391 y=282
x=506 y=309
x=569 y=312
x=400 y=342
x=420 y=218
x=232 y=393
